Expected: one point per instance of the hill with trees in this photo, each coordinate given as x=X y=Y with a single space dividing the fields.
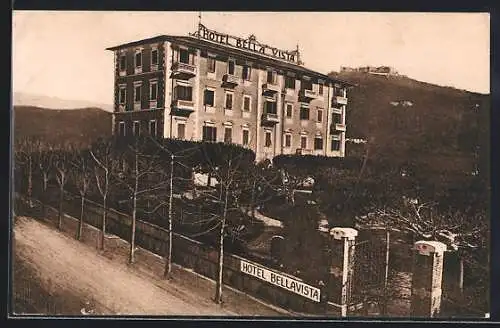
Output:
x=82 y=125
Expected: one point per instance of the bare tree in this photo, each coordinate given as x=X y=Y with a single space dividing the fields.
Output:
x=45 y=164
x=141 y=175
x=24 y=151
x=228 y=172
x=424 y=221
x=102 y=153
x=82 y=177
x=62 y=167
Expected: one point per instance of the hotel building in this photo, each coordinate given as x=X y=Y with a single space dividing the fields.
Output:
x=219 y=88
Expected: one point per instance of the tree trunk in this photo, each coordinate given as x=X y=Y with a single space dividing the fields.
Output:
x=134 y=211
x=386 y=273
x=132 y=235
x=80 y=223
x=30 y=182
x=103 y=230
x=61 y=198
x=43 y=197
x=168 y=264
x=252 y=203
x=218 y=291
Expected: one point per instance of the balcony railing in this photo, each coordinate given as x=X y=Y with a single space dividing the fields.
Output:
x=339 y=100
x=270 y=88
x=270 y=118
x=182 y=107
x=183 y=70
x=336 y=110
x=339 y=127
x=308 y=94
x=230 y=80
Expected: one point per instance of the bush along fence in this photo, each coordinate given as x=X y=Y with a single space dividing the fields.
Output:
x=335 y=297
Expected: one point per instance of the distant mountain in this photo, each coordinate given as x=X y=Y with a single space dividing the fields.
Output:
x=27 y=99
x=82 y=125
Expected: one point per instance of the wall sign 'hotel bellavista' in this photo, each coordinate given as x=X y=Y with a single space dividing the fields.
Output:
x=249 y=44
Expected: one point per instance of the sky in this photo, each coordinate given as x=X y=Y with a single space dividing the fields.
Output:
x=62 y=54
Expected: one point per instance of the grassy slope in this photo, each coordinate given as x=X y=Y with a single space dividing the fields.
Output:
x=442 y=125
x=79 y=125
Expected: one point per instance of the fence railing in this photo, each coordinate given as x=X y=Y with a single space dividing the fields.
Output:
x=188 y=253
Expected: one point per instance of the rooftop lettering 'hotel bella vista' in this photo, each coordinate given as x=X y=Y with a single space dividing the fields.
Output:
x=219 y=88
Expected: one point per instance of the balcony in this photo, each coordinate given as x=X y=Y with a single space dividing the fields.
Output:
x=270 y=119
x=337 y=127
x=270 y=89
x=182 y=107
x=338 y=100
x=337 y=110
x=183 y=70
x=229 y=80
x=308 y=94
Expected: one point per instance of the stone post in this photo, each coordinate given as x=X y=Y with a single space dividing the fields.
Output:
x=341 y=269
x=427 y=278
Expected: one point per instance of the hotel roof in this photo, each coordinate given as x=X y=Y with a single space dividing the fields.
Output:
x=195 y=42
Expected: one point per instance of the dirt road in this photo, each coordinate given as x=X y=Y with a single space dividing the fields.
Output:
x=64 y=265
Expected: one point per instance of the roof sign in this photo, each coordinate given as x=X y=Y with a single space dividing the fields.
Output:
x=250 y=44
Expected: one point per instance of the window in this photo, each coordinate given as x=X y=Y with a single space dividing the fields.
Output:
x=209 y=133
x=184 y=56
x=152 y=128
x=245 y=138
x=121 y=129
x=181 y=130
x=228 y=135
x=303 y=142
x=247 y=70
x=270 y=107
x=339 y=92
x=320 y=89
x=211 y=65
x=136 y=128
x=246 y=103
x=290 y=82
x=337 y=118
x=153 y=90
x=123 y=62
x=288 y=140
x=209 y=97
x=304 y=113
x=229 y=101
x=268 y=139
x=122 y=97
x=318 y=143
x=307 y=84
x=271 y=77
x=138 y=58
x=183 y=93
x=335 y=145
x=319 y=116
x=154 y=57
x=137 y=93
x=230 y=67
x=288 y=110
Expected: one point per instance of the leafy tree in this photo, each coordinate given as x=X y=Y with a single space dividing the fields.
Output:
x=304 y=247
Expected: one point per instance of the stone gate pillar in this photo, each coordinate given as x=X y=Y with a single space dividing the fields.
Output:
x=341 y=268
x=427 y=278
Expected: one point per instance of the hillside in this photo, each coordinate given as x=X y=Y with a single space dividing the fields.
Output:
x=78 y=125
x=404 y=118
